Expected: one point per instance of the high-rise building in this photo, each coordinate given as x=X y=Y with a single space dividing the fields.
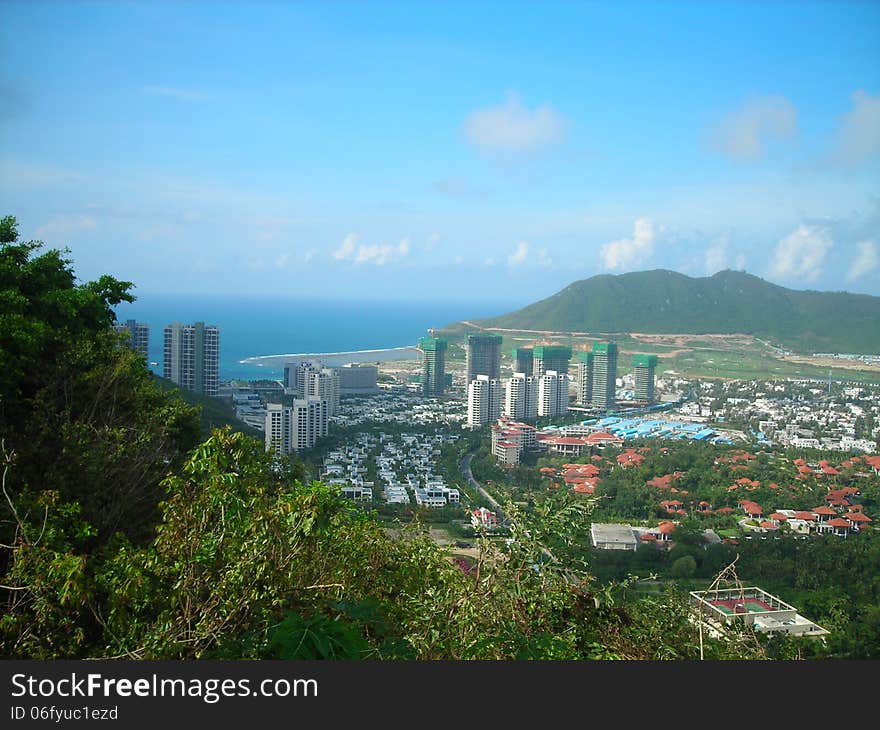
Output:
x=553 y=393
x=483 y=356
x=192 y=356
x=522 y=360
x=139 y=336
x=644 y=366
x=297 y=374
x=325 y=384
x=433 y=365
x=297 y=426
x=550 y=357
x=277 y=428
x=310 y=419
x=521 y=397
x=358 y=379
x=584 y=378
x=485 y=400
x=604 y=374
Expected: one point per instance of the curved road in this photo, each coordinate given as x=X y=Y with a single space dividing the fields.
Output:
x=467 y=474
x=465 y=467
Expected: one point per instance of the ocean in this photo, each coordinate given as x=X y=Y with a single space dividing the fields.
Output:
x=251 y=327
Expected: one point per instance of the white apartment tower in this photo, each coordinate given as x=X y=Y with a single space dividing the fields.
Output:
x=325 y=385
x=277 y=431
x=521 y=398
x=295 y=427
x=485 y=399
x=553 y=393
x=192 y=356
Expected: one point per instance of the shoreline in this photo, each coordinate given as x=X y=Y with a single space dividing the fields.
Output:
x=389 y=354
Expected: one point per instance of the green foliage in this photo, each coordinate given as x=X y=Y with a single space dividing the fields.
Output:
x=683 y=567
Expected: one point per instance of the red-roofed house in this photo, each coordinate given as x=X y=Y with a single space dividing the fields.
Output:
x=857 y=520
x=777 y=517
x=823 y=513
x=837 y=526
x=873 y=462
x=704 y=506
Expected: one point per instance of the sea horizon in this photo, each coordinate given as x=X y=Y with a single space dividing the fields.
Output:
x=259 y=326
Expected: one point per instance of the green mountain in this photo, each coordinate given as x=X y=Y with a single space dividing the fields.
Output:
x=666 y=302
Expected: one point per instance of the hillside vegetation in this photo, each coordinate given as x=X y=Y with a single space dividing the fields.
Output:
x=125 y=533
x=661 y=301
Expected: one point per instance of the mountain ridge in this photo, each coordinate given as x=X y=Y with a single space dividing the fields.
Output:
x=660 y=301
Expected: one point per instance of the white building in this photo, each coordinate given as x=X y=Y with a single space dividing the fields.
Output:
x=295 y=427
x=325 y=385
x=485 y=398
x=553 y=393
x=192 y=356
x=521 y=397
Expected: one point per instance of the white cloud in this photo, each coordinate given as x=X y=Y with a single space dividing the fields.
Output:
x=512 y=129
x=858 y=137
x=377 y=254
x=629 y=252
x=176 y=93
x=866 y=260
x=801 y=254
x=347 y=249
x=66 y=225
x=744 y=133
x=489 y=261
x=458 y=260
x=740 y=264
x=519 y=255
x=281 y=261
x=309 y=255
x=716 y=257
x=433 y=240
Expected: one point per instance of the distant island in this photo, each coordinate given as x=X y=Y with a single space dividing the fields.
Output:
x=729 y=302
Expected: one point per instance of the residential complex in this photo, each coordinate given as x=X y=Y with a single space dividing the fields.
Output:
x=297 y=426
x=483 y=356
x=433 y=365
x=521 y=397
x=485 y=400
x=139 y=336
x=324 y=385
x=192 y=356
x=553 y=393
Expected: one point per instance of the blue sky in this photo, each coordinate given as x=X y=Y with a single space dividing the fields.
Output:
x=494 y=151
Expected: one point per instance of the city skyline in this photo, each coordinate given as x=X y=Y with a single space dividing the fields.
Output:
x=363 y=150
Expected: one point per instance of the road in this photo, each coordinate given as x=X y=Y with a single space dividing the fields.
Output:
x=465 y=467
x=467 y=474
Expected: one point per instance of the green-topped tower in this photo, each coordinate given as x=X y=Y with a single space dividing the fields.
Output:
x=522 y=360
x=644 y=366
x=433 y=365
x=483 y=356
x=584 y=362
x=604 y=374
x=550 y=357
